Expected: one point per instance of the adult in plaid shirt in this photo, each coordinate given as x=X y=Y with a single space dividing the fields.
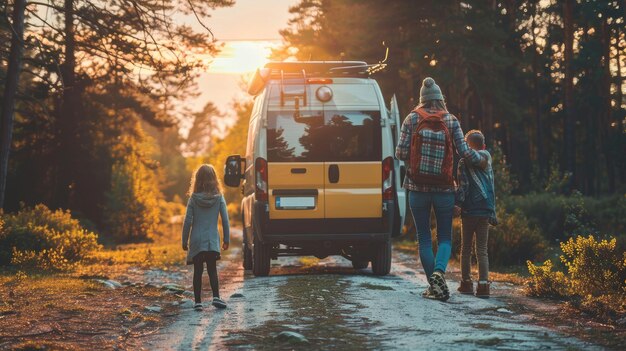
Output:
x=423 y=197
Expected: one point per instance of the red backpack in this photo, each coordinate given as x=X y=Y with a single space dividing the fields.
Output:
x=431 y=160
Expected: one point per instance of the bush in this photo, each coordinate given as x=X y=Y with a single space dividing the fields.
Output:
x=545 y=282
x=558 y=217
x=131 y=207
x=40 y=238
x=594 y=267
x=595 y=278
x=512 y=242
x=577 y=218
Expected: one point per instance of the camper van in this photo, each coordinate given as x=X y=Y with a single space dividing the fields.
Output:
x=319 y=176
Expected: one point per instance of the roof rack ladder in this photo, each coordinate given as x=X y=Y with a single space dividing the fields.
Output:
x=295 y=95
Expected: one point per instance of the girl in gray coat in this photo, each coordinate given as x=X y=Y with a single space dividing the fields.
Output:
x=201 y=239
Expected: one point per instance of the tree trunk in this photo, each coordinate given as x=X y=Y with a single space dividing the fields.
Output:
x=539 y=134
x=10 y=91
x=568 y=83
x=605 y=129
x=67 y=116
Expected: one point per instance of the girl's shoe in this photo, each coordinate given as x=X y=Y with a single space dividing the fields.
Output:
x=219 y=303
x=197 y=307
x=482 y=290
x=439 y=286
x=466 y=287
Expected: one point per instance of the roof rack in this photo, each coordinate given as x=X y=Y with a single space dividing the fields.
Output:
x=300 y=70
x=320 y=68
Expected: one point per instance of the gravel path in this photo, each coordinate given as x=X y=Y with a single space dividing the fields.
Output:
x=329 y=305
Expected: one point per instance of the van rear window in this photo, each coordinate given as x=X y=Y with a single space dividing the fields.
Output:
x=319 y=136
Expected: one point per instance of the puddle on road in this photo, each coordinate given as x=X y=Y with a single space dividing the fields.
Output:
x=319 y=310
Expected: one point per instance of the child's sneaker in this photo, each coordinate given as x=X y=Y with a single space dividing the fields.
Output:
x=482 y=290
x=219 y=303
x=197 y=307
x=466 y=287
x=439 y=286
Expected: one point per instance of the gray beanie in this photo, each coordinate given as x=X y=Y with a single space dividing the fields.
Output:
x=430 y=91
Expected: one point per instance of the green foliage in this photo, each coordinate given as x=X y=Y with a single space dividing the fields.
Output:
x=41 y=238
x=544 y=281
x=557 y=182
x=132 y=211
x=559 y=216
x=514 y=240
x=234 y=143
x=594 y=280
x=504 y=182
x=577 y=219
x=594 y=267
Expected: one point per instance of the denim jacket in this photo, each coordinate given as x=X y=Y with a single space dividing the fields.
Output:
x=476 y=192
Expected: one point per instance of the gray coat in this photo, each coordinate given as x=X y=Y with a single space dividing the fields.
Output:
x=200 y=226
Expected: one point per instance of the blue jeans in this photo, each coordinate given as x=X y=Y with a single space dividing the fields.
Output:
x=421 y=204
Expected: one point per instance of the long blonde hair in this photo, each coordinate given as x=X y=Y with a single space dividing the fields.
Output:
x=205 y=180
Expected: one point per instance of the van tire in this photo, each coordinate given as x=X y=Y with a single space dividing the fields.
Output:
x=247 y=257
x=261 y=258
x=360 y=264
x=381 y=263
x=246 y=250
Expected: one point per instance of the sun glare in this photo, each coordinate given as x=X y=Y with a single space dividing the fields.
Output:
x=241 y=57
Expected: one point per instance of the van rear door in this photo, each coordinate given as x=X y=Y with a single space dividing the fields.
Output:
x=295 y=167
x=353 y=169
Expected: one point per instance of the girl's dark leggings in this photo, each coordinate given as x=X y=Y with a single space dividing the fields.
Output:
x=210 y=258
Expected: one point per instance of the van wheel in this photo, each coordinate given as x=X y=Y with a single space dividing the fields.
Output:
x=396 y=230
x=261 y=258
x=247 y=257
x=246 y=252
x=381 y=263
x=360 y=264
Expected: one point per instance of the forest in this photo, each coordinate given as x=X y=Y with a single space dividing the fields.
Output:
x=98 y=141
x=98 y=110
x=543 y=79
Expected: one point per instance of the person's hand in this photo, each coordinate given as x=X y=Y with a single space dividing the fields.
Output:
x=457 y=211
x=225 y=246
x=185 y=248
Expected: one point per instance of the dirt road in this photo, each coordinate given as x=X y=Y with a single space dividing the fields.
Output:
x=335 y=307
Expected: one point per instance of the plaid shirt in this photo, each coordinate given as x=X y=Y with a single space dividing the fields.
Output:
x=458 y=140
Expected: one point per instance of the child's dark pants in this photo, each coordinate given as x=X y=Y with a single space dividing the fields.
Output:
x=210 y=257
x=480 y=227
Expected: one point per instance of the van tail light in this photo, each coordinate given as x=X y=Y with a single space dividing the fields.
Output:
x=260 y=167
x=388 y=178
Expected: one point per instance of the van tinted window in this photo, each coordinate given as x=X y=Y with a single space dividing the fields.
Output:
x=318 y=136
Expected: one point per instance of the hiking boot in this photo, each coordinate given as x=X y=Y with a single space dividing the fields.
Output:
x=482 y=290
x=439 y=286
x=428 y=293
x=219 y=303
x=197 y=307
x=466 y=287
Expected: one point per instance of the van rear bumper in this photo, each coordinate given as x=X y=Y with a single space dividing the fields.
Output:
x=346 y=230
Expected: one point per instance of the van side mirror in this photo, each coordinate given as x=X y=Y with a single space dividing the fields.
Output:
x=232 y=171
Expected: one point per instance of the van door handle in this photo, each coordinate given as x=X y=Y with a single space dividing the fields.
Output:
x=333 y=173
x=298 y=170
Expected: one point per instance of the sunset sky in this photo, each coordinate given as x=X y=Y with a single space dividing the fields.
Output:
x=248 y=30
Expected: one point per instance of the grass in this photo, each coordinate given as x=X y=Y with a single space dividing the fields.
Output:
x=72 y=311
